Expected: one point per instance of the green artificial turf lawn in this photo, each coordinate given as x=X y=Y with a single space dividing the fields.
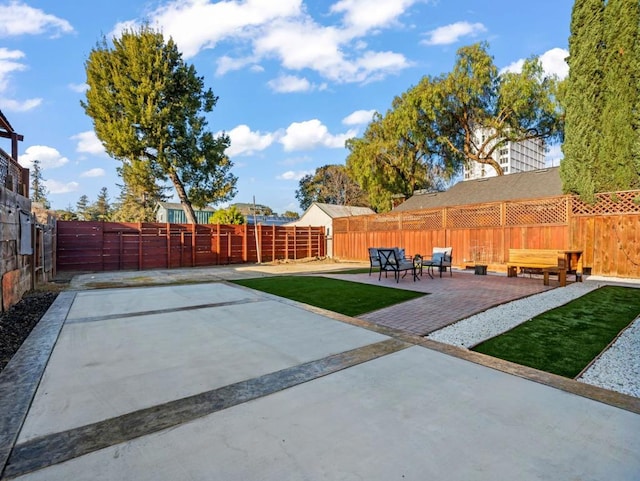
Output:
x=566 y=339
x=345 y=297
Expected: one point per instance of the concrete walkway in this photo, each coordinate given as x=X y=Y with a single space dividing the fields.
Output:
x=214 y=381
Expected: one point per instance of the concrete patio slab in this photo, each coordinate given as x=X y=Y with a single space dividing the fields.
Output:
x=214 y=381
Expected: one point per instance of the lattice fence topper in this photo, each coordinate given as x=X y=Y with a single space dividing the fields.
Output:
x=355 y=224
x=425 y=220
x=627 y=202
x=341 y=225
x=474 y=216
x=384 y=222
x=544 y=211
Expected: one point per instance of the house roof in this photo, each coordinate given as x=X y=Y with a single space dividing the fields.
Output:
x=178 y=206
x=524 y=185
x=334 y=211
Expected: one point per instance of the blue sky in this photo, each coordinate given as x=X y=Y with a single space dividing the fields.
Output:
x=295 y=78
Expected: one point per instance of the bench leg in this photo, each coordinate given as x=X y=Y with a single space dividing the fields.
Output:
x=512 y=271
x=562 y=277
x=546 y=278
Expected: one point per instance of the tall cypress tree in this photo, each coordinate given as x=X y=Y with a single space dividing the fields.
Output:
x=583 y=98
x=619 y=165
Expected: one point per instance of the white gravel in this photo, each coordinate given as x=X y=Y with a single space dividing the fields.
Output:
x=617 y=369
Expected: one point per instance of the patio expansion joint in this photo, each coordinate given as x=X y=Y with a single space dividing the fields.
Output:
x=162 y=311
x=59 y=447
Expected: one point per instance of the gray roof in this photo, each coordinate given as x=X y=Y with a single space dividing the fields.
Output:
x=524 y=185
x=334 y=211
x=178 y=206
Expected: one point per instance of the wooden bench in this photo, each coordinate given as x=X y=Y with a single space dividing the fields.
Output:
x=547 y=260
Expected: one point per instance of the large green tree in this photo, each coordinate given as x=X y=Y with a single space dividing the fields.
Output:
x=602 y=99
x=148 y=105
x=618 y=166
x=399 y=152
x=438 y=125
x=330 y=184
x=583 y=98
x=478 y=110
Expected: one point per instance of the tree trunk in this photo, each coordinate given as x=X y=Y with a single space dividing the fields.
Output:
x=184 y=200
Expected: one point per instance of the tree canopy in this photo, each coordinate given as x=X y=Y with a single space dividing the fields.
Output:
x=601 y=97
x=228 y=216
x=330 y=184
x=38 y=189
x=148 y=106
x=431 y=130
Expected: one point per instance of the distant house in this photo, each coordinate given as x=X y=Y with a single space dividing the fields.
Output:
x=268 y=219
x=172 y=213
x=319 y=214
x=524 y=185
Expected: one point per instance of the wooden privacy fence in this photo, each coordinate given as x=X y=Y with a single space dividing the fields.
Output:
x=607 y=232
x=112 y=246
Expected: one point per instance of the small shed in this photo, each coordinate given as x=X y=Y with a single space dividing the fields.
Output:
x=173 y=213
x=319 y=214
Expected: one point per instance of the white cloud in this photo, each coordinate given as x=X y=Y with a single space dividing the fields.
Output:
x=49 y=157
x=97 y=172
x=452 y=33
x=200 y=24
x=285 y=31
x=359 y=117
x=229 y=64
x=12 y=105
x=21 y=19
x=553 y=63
x=8 y=64
x=363 y=15
x=246 y=142
x=88 y=143
x=312 y=134
x=80 y=88
x=57 y=187
x=294 y=175
x=292 y=83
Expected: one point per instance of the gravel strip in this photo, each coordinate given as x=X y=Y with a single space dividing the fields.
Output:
x=617 y=369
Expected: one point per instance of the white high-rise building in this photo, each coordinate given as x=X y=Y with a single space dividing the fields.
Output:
x=513 y=157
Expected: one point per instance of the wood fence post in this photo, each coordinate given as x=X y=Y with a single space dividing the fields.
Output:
x=139 y=246
x=181 y=248
x=229 y=239
x=194 y=231
x=168 y=245
x=218 y=244
x=245 y=243
x=309 y=251
x=273 y=243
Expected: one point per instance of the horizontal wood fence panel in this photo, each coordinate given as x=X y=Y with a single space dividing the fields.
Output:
x=606 y=231
x=111 y=246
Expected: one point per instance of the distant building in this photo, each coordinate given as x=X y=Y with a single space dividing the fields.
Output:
x=319 y=214
x=173 y=213
x=267 y=219
x=513 y=157
x=524 y=185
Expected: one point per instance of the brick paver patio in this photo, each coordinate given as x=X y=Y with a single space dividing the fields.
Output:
x=450 y=298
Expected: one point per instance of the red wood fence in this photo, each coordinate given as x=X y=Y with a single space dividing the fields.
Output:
x=112 y=246
x=607 y=232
